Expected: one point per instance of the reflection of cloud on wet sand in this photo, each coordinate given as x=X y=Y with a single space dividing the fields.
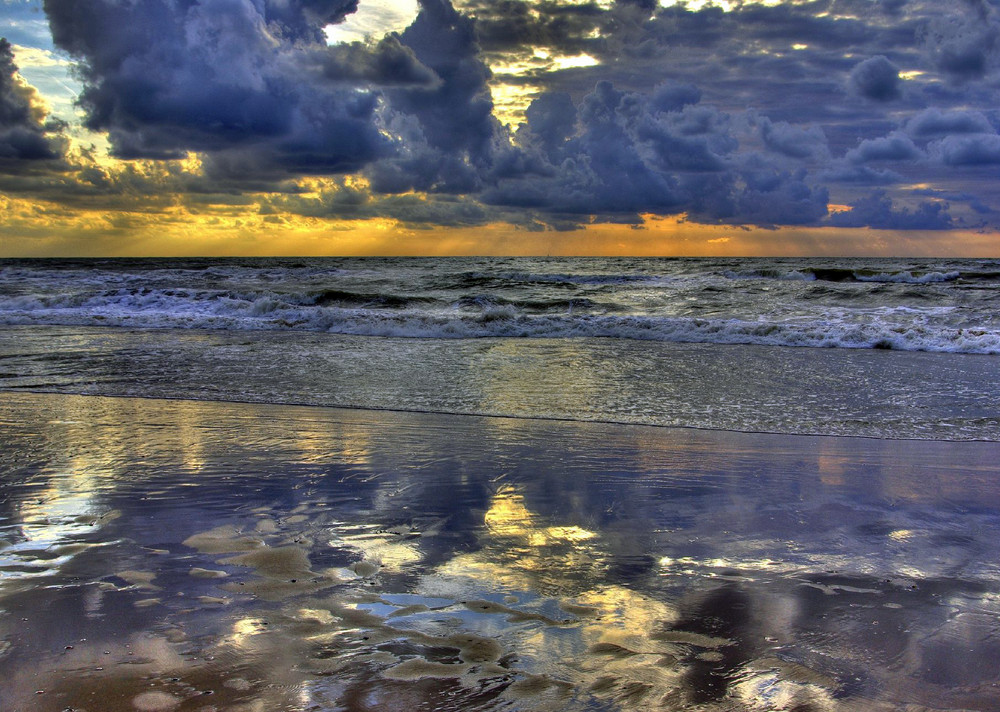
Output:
x=627 y=568
x=486 y=625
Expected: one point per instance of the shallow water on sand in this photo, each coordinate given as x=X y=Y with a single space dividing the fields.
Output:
x=173 y=555
x=882 y=394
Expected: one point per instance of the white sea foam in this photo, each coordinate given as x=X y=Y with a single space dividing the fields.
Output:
x=896 y=328
x=910 y=277
x=929 y=306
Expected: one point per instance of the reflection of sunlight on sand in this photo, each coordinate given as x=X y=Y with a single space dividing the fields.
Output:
x=621 y=615
x=522 y=553
x=763 y=689
x=55 y=518
x=385 y=551
x=64 y=509
x=508 y=517
x=244 y=630
x=70 y=505
x=619 y=645
x=348 y=445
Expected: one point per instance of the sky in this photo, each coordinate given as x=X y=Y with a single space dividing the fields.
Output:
x=436 y=127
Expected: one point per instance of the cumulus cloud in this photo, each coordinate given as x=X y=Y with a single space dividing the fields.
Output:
x=967 y=150
x=696 y=138
x=388 y=63
x=163 y=78
x=934 y=123
x=599 y=168
x=24 y=135
x=773 y=197
x=455 y=118
x=350 y=202
x=674 y=96
x=964 y=42
x=794 y=141
x=894 y=147
x=552 y=118
x=878 y=211
x=617 y=153
x=876 y=78
x=860 y=174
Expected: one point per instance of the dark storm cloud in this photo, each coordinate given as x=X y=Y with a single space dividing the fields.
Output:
x=24 y=134
x=552 y=118
x=967 y=150
x=506 y=25
x=388 y=64
x=457 y=115
x=894 y=147
x=762 y=115
x=790 y=61
x=305 y=18
x=696 y=138
x=860 y=175
x=348 y=202
x=448 y=132
x=597 y=165
x=794 y=141
x=674 y=96
x=934 y=123
x=163 y=77
x=876 y=78
x=965 y=41
x=878 y=211
x=773 y=197
x=617 y=154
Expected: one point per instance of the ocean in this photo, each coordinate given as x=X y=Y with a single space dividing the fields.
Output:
x=866 y=347
x=499 y=484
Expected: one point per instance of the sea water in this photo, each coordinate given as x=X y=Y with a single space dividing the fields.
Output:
x=924 y=305
x=879 y=348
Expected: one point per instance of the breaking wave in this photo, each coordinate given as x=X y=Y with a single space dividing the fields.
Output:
x=927 y=305
x=480 y=317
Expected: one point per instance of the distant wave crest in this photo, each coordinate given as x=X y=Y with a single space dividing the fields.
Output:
x=841 y=274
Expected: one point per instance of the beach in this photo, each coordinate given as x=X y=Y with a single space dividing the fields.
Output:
x=177 y=554
x=521 y=356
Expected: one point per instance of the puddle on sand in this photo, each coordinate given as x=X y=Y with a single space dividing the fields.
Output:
x=250 y=559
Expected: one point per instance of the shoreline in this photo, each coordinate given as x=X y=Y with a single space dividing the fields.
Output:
x=501 y=416
x=742 y=388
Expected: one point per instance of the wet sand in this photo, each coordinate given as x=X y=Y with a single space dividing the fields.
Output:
x=182 y=555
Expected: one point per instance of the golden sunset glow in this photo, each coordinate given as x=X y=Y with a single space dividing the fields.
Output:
x=36 y=229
